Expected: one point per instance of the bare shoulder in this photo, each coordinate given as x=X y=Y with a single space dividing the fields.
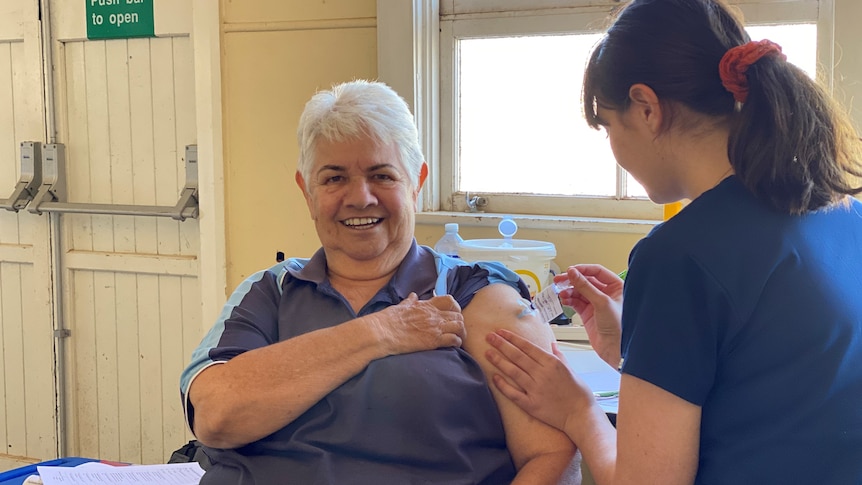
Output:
x=500 y=306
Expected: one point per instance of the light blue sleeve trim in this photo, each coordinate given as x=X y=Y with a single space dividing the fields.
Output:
x=200 y=356
x=187 y=404
x=497 y=272
x=444 y=264
x=281 y=269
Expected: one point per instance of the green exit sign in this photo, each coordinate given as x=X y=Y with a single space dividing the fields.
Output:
x=119 y=19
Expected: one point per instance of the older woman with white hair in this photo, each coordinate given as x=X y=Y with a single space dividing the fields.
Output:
x=365 y=363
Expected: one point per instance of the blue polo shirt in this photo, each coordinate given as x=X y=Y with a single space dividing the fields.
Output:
x=424 y=417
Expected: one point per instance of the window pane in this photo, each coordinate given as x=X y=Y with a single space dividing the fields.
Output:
x=798 y=42
x=521 y=124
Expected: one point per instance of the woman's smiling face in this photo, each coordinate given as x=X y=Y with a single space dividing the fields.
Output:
x=362 y=201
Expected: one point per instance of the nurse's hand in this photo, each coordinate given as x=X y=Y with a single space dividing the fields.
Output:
x=597 y=296
x=415 y=325
x=540 y=383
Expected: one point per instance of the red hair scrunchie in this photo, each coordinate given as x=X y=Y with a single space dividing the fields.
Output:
x=736 y=61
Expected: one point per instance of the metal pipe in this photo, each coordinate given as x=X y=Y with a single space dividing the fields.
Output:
x=119 y=209
x=60 y=332
x=48 y=68
x=54 y=234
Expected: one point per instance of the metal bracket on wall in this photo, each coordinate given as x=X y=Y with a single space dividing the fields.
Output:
x=51 y=196
x=30 y=180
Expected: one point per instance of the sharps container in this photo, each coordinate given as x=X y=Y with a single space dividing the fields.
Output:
x=530 y=259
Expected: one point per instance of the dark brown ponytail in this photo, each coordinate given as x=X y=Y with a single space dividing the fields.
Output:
x=790 y=144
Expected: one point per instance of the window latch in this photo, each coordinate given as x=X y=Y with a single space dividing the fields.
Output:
x=475 y=203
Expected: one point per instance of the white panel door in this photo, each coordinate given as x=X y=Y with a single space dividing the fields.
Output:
x=27 y=382
x=125 y=110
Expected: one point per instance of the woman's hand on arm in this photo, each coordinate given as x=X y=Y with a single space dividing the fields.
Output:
x=597 y=296
x=541 y=453
x=537 y=381
x=260 y=391
x=657 y=436
x=541 y=384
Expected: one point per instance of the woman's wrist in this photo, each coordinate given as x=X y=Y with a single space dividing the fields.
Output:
x=585 y=423
x=613 y=358
x=369 y=333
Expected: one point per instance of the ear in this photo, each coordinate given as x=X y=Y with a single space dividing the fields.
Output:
x=646 y=106
x=423 y=174
x=301 y=183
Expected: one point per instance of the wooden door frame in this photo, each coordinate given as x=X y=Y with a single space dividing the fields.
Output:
x=206 y=35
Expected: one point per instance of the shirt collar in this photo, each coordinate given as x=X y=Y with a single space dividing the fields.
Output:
x=417 y=272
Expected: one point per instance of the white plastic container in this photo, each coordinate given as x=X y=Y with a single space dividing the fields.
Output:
x=530 y=259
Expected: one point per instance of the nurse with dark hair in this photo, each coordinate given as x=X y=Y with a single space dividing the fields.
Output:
x=738 y=330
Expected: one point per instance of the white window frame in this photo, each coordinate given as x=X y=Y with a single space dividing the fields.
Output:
x=456 y=27
x=418 y=62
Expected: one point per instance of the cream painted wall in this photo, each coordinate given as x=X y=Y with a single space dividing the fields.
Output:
x=848 y=61
x=273 y=11
x=278 y=53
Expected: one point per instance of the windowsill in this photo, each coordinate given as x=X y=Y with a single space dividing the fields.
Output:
x=553 y=223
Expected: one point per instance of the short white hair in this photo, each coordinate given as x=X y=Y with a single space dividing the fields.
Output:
x=354 y=110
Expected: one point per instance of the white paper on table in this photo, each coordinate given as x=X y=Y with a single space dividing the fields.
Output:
x=596 y=373
x=101 y=473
